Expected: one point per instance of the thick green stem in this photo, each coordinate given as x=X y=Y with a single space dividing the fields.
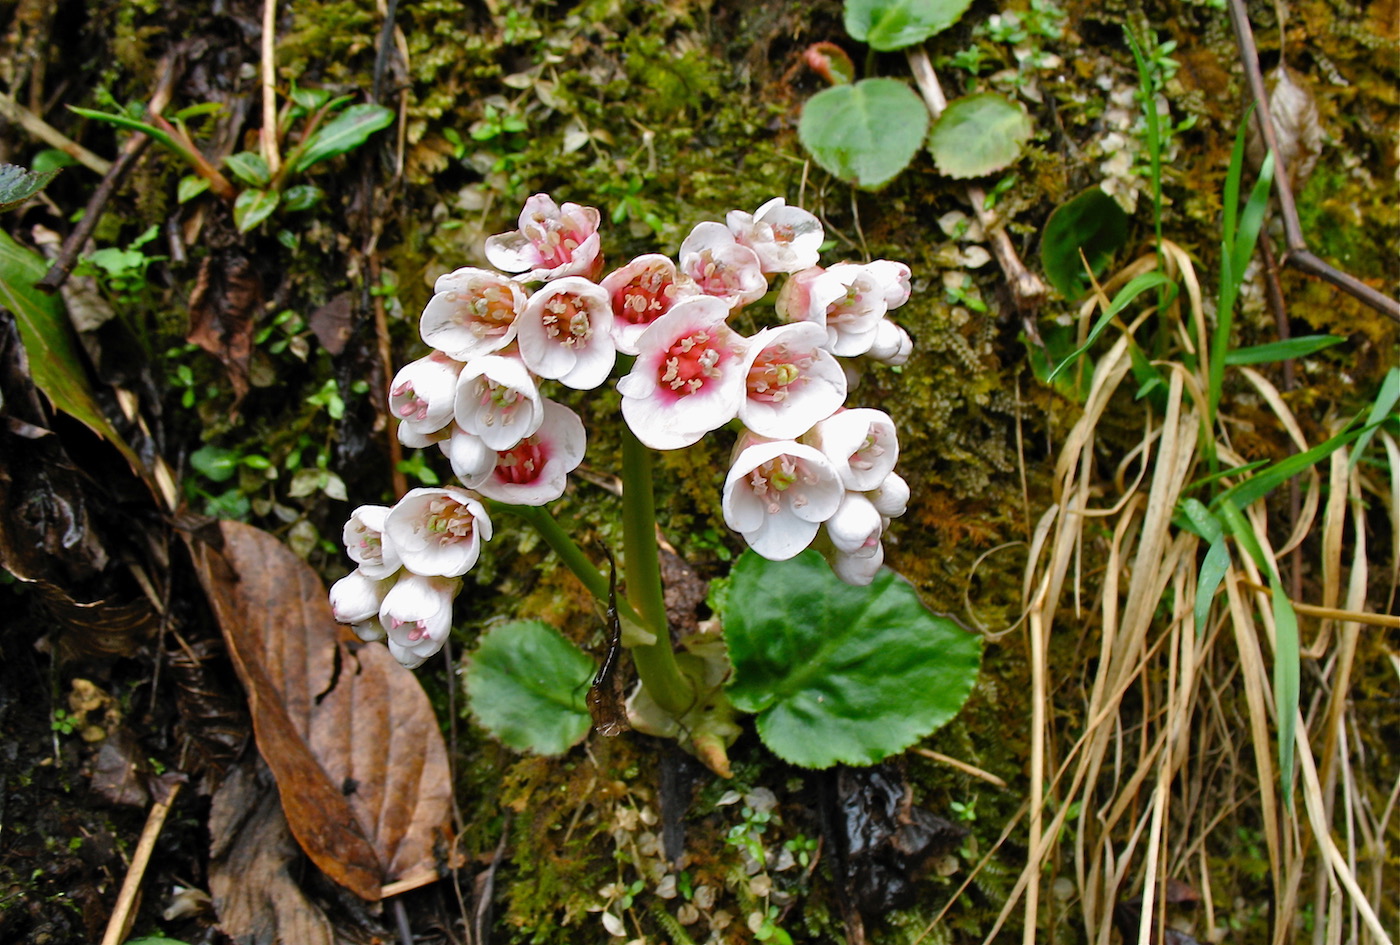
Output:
x=656 y=662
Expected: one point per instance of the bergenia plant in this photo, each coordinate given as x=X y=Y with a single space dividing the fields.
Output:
x=806 y=471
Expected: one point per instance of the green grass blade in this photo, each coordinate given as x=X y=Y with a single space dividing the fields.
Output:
x=1213 y=568
x=1380 y=410
x=1299 y=347
x=1124 y=298
x=1244 y=494
x=130 y=124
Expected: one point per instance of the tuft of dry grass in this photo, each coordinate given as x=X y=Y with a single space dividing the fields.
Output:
x=1177 y=742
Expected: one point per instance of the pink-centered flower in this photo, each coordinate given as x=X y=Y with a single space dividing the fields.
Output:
x=421 y=396
x=536 y=470
x=688 y=378
x=641 y=292
x=438 y=532
x=417 y=616
x=785 y=238
x=364 y=541
x=721 y=267
x=472 y=312
x=552 y=242
x=791 y=381
x=356 y=597
x=855 y=315
x=778 y=493
x=566 y=333
x=862 y=444
x=498 y=400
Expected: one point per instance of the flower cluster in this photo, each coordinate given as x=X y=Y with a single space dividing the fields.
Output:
x=802 y=463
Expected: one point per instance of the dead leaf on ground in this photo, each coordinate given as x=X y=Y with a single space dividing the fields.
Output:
x=333 y=323
x=251 y=857
x=223 y=306
x=348 y=733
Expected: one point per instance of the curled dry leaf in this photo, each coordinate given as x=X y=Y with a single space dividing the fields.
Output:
x=1296 y=127
x=223 y=307
x=348 y=733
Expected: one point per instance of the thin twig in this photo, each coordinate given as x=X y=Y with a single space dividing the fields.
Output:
x=51 y=136
x=400 y=913
x=1027 y=289
x=122 y=914
x=1297 y=254
x=268 y=138
x=962 y=766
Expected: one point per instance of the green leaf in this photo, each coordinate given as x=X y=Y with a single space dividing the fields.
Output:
x=252 y=207
x=1091 y=223
x=1385 y=402
x=893 y=24
x=1299 y=347
x=840 y=674
x=249 y=167
x=864 y=133
x=130 y=124
x=51 y=159
x=350 y=129
x=526 y=685
x=215 y=462
x=1244 y=494
x=978 y=134
x=190 y=187
x=18 y=184
x=1213 y=568
x=1124 y=298
x=302 y=197
x=54 y=360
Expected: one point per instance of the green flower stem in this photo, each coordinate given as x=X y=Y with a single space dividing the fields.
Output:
x=569 y=552
x=656 y=662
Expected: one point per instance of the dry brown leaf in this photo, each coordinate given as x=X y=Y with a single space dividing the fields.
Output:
x=251 y=858
x=225 y=301
x=348 y=733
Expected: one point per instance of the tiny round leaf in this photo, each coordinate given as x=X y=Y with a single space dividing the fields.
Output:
x=864 y=133
x=893 y=24
x=978 y=134
x=840 y=674
x=526 y=685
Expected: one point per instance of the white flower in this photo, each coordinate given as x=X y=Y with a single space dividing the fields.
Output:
x=777 y=494
x=688 y=378
x=891 y=499
x=535 y=470
x=893 y=278
x=892 y=344
x=791 y=381
x=472 y=312
x=552 y=242
x=438 y=532
x=498 y=401
x=369 y=630
x=856 y=526
x=356 y=597
x=417 y=616
x=566 y=333
x=721 y=267
x=364 y=541
x=857 y=570
x=422 y=394
x=852 y=319
x=785 y=238
x=861 y=444
x=641 y=292
x=472 y=460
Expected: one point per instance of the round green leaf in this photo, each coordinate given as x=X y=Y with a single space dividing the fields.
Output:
x=1092 y=222
x=978 y=134
x=840 y=674
x=894 y=24
x=526 y=685
x=864 y=133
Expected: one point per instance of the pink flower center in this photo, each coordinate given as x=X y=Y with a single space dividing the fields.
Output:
x=865 y=455
x=489 y=313
x=714 y=276
x=646 y=298
x=689 y=363
x=555 y=239
x=523 y=463
x=776 y=373
x=407 y=402
x=371 y=547
x=449 y=520
x=566 y=321
x=500 y=401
